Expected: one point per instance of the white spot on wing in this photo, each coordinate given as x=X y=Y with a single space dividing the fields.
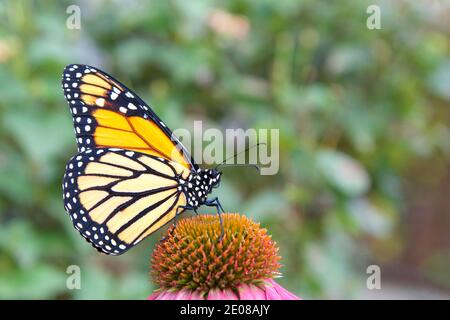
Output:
x=100 y=102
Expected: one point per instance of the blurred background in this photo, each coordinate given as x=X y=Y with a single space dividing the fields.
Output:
x=364 y=134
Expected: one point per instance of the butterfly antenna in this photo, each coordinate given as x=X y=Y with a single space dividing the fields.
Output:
x=223 y=163
x=241 y=165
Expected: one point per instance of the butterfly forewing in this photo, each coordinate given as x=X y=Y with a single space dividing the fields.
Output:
x=108 y=114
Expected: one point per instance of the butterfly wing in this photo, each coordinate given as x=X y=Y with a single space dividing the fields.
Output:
x=108 y=114
x=117 y=197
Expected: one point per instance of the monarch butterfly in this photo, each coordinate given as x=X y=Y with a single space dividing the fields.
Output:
x=131 y=175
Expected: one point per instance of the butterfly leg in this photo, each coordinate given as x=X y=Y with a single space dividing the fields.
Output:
x=216 y=203
x=180 y=210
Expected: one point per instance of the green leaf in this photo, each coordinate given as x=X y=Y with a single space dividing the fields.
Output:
x=344 y=172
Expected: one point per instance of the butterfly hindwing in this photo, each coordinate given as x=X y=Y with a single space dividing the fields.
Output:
x=118 y=197
x=108 y=114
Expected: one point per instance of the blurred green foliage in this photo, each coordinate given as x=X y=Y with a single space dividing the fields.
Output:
x=357 y=110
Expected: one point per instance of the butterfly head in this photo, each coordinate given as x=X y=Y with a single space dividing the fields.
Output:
x=215 y=176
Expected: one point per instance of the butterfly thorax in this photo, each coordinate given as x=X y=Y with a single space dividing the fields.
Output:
x=198 y=185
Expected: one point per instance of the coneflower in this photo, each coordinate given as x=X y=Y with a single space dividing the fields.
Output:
x=193 y=261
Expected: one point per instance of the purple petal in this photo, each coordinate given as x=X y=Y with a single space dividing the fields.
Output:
x=271 y=293
x=251 y=292
x=184 y=294
x=194 y=295
x=167 y=295
x=217 y=294
x=229 y=295
x=282 y=292
x=154 y=295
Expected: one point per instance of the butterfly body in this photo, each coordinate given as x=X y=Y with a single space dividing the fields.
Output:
x=198 y=185
x=131 y=175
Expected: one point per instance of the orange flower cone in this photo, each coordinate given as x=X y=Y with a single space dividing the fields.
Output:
x=193 y=262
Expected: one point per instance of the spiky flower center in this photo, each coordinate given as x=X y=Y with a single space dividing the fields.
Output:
x=193 y=255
